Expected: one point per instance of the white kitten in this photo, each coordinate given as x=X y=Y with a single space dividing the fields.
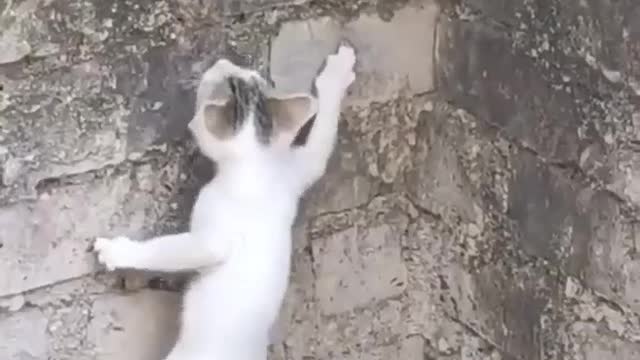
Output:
x=240 y=235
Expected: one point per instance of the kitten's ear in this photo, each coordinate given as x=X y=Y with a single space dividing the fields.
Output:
x=217 y=116
x=291 y=112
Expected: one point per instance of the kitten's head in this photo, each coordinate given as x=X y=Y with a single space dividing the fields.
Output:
x=238 y=115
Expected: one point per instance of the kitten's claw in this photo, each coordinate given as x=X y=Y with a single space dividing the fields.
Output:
x=115 y=253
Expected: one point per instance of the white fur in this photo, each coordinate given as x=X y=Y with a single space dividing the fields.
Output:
x=240 y=235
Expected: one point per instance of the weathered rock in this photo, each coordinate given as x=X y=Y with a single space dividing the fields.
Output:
x=503 y=206
x=593 y=344
x=301 y=48
x=362 y=331
x=59 y=33
x=603 y=36
x=24 y=336
x=506 y=91
x=296 y=328
x=235 y=7
x=48 y=241
x=164 y=79
x=392 y=56
x=344 y=186
x=438 y=181
x=580 y=230
x=140 y=325
x=40 y=146
x=504 y=305
x=349 y=267
x=412 y=348
x=553 y=221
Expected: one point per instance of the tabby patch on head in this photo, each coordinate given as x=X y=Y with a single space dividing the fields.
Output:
x=273 y=115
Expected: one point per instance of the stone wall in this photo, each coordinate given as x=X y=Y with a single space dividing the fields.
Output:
x=482 y=202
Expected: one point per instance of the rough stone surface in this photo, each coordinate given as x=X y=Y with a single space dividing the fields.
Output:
x=482 y=201
x=367 y=267
x=141 y=326
x=393 y=56
x=24 y=335
x=47 y=241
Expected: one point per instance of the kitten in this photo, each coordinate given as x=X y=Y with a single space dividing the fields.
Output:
x=240 y=235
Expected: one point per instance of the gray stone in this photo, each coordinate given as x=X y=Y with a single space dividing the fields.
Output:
x=13 y=303
x=48 y=241
x=378 y=353
x=438 y=181
x=578 y=229
x=544 y=205
x=296 y=328
x=59 y=33
x=24 y=336
x=482 y=219
x=603 y=37
x=235 y=7
x=503 y=304
x=395 y=56
x=345 y=184
x=300 y=48
x=362 y=332
x=163 y=80
x=594 y=344
x=412 y=348
x=349 y=268
x=625 y=176
x=12 y=48
x=141 y=325
x=506 y=91
x=392 y=56
x=43 y=147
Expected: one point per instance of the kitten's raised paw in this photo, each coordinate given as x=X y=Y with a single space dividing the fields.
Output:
x=338 y=72
x=115 y=253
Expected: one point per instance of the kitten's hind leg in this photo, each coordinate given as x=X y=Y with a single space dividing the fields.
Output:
x=180 y=252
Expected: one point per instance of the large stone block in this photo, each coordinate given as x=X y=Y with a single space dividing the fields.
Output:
x=234 y=7
x=504 y=305
x=604 y=36
x=594 y=344
x=506 y=90
x=393 y=56
x=48 y=240
x=67 y=122
x=581 y=230
x=361 y=331
x=161 y=82
x=140 y=325
x=24 y=336
x=297 y=323
x=59 y=33
x=358 y=266
x=438 y=180
x=552 y=221
x=96 y=113
x=345 y=184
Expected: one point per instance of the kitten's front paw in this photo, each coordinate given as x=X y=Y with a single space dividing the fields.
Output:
x=116 y=253
x=338 y=72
